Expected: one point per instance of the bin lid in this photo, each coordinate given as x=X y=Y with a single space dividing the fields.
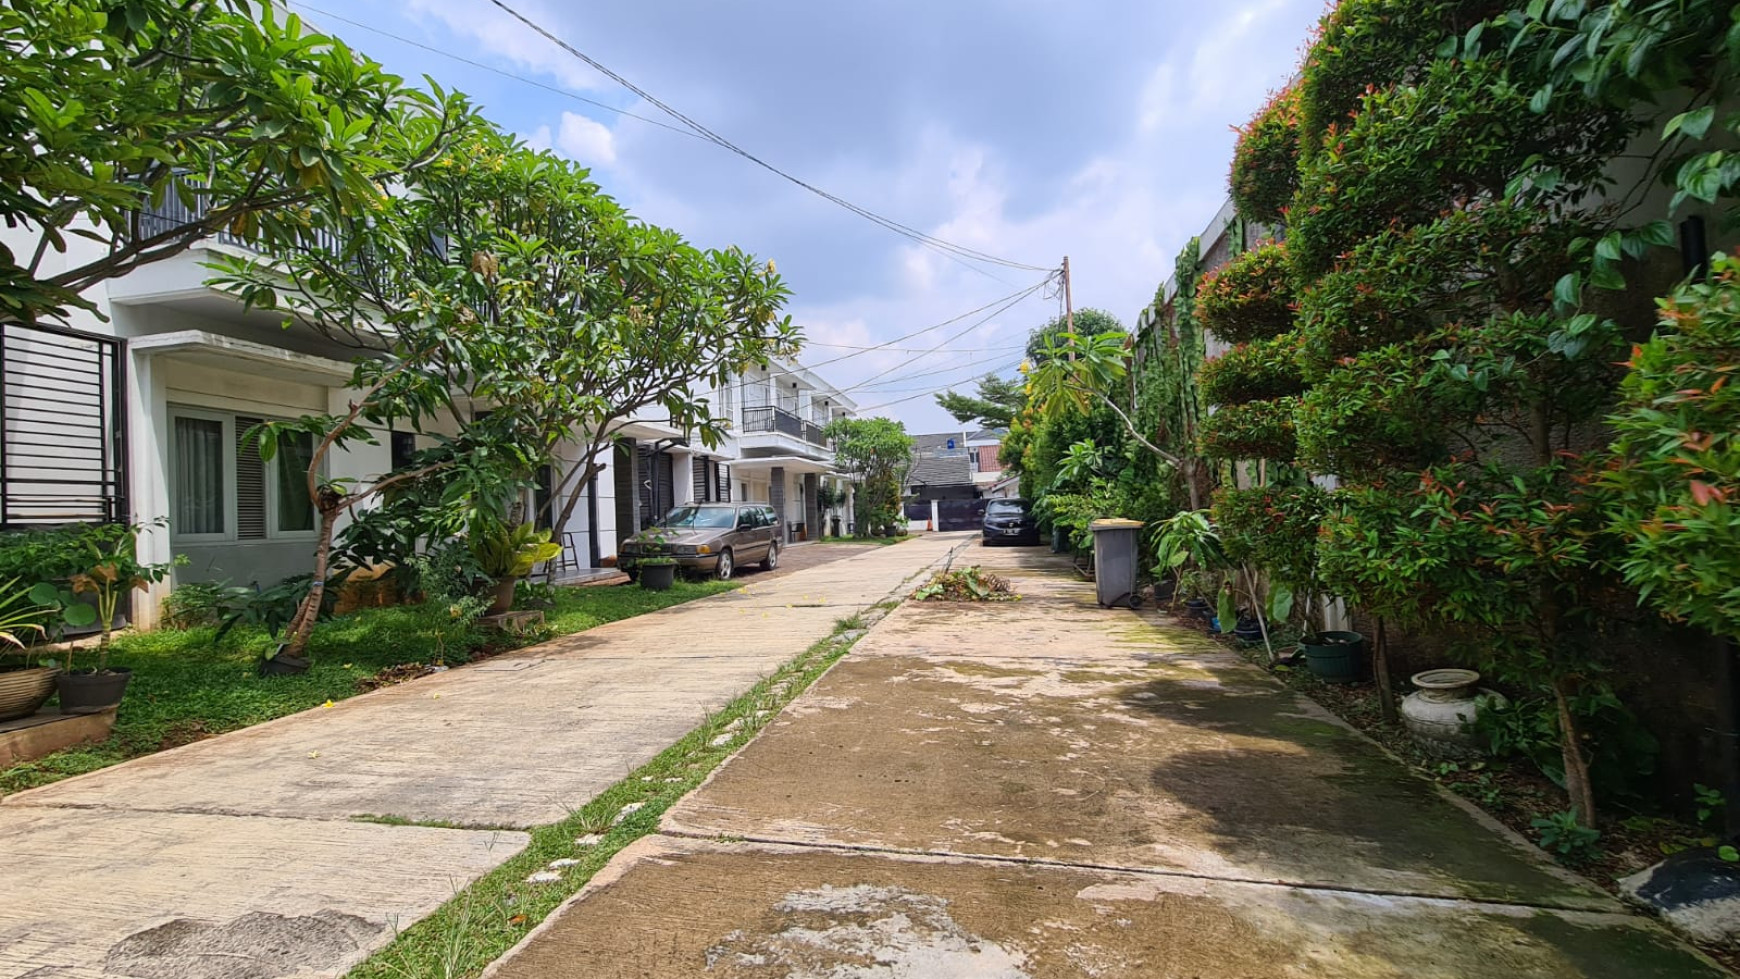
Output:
x=1115 y=524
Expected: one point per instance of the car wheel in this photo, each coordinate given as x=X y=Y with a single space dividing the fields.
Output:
x=726 y=566
x=771 y=561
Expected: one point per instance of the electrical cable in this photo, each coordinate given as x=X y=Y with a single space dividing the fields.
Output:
x=938 y=244
x=921 y=394
x=494 y=70
x=946 y=341
x=1019 y=294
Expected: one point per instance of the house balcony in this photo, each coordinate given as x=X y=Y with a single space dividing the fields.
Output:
x=770 y=429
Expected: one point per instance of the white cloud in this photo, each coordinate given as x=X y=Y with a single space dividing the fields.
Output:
x=586 y=141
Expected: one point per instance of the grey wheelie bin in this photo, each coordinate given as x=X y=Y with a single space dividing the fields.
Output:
x=1117 y=545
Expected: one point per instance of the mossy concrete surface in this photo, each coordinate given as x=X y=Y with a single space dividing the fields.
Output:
x=1048 y=788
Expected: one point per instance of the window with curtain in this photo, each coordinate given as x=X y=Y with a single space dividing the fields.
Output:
x=200 y=490
x=295 y=453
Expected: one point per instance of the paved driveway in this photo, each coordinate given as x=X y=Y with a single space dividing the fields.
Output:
x=1050 y=789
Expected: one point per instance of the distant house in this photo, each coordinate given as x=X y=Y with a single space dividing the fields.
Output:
x=990 y=478
x=942 y=469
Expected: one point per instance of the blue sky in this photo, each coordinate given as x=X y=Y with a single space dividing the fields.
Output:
x=1025 y=129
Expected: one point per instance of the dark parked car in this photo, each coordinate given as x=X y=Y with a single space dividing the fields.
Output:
x=716 y=538
x=1010 y=522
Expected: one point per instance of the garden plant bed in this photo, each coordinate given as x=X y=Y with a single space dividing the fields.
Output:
x=1511 y=791
x=188 y=686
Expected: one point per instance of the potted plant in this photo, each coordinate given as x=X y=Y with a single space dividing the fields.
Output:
x=271 y=609
x=24 y=688
x=658 y=570
x=1188 y=551
x=508 y=554
x=111 y=570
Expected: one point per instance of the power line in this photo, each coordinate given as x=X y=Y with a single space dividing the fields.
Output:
x=946 y=341
x=973 y=364
x=1019 y=294
x=494 y=70
x=921 y=394
x=913 y=350
x=938 y=244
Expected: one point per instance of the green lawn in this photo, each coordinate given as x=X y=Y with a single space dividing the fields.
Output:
x=187 y=686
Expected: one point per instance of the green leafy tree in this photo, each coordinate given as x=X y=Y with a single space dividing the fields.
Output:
x=502 y=277
x=257 y=125
x=1676 y=468
x=877 y=452
x=995 y=405
x=1087 y=322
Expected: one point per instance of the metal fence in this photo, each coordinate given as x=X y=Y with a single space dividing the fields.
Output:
x=63 y=430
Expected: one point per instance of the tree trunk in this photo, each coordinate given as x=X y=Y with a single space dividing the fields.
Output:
x=302 y=626
x=1380 y=661
x=1577 y=784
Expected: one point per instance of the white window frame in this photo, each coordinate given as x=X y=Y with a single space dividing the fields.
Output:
x=272 y=504
x=231 y=512
x=228 y=421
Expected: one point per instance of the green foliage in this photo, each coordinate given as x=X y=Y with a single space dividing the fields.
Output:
x=970 y=584
x=1249 y=298
x=1676 y=461
x=1259 y=371
x=1622 y=753
x=1046 y=341
x=1073 y=511
x=997 y=403
x=1710 y=803
x=1463 y=131
x=1251 y=430
x=1562 y=834
x=108 y=568
x=20 y=616
x=231 y=107
x=267 y=610
x=1187 y=541
x=502 y=551
x=878 y=453
x=1265 y=166
x=1073 y=371
x=1273 y=528
x=1365 y=43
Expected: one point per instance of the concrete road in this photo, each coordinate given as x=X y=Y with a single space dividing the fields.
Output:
x=1050 y=789
x=239 y=857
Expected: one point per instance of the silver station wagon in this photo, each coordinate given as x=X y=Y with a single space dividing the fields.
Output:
x=714 y=538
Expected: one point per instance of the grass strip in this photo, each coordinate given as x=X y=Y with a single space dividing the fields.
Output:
x=187 y=685
x=483 y=921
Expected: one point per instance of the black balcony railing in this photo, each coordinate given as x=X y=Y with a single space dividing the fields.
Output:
x=172 y=214
x=763 y=419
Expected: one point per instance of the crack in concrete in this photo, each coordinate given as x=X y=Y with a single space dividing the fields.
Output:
x=990 y=858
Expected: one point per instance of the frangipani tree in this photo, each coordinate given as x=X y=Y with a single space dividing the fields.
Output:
x=500 y=289
x=251 y=122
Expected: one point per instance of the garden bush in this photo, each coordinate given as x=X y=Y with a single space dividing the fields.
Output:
x=1265 y=166
x=1253 y=430
x=1273 y=528
x=1676 y=462
x=1249 y=298
x=1256 y=371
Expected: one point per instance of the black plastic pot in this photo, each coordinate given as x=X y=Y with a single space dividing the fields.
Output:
x=1249 y=630
x=90 y=692
x=658 y=577
x=283 y=664
x=1164 y=590
x=1199 y=608
x=1335 y=657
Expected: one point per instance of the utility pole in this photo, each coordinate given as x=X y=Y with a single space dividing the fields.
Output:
x=1068 y=309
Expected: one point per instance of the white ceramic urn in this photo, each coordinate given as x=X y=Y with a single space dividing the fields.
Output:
x=1439 y=713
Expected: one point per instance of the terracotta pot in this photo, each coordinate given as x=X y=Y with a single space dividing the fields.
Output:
x=23 y=691
x=1438 y=715
x=503 y=596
